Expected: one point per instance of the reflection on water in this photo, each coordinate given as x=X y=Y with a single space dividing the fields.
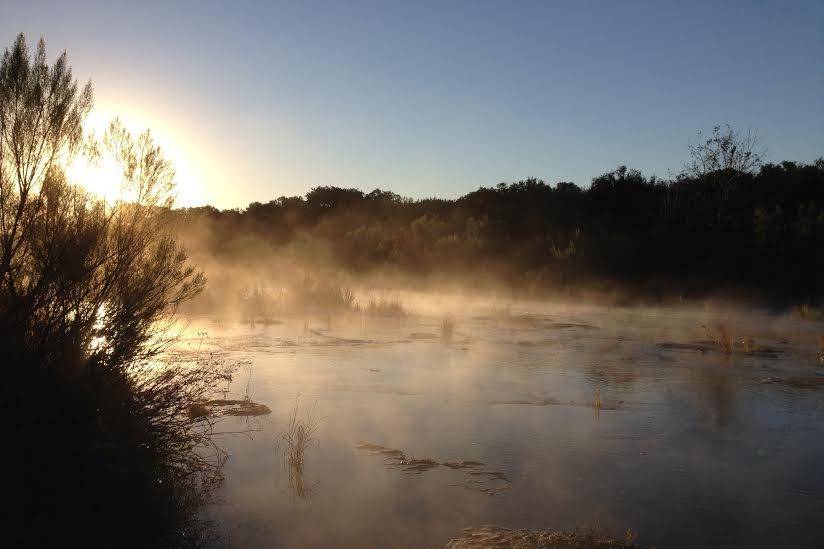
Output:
x=556 y=419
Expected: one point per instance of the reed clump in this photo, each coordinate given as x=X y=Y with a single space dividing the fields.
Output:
x=808 y=312
x=721 y=336
x=298 y=437
x=447 y=326
x=313 y=294
x=385 y=306
x=821 y=349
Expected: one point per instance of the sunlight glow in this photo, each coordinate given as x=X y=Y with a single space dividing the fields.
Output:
x=104 y=178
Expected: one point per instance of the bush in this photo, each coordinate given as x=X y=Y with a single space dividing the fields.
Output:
x=87 y=289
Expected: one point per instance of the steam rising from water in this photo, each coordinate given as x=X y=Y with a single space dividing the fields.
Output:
x=686 y=432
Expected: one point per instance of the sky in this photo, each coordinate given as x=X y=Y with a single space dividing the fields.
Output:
x=255 y=100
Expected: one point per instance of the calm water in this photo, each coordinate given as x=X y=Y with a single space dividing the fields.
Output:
x=689 y=448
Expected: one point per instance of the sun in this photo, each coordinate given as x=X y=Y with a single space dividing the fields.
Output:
x=103 y=176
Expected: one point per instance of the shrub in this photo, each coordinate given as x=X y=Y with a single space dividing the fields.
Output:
x=87 y=292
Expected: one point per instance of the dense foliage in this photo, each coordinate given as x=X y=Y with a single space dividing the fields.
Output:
x=735 y=229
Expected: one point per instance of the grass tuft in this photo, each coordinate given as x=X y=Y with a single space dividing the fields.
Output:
x=821 y=348
x=447 y=326
x=296 y=440
x=385 y=306
x=721 y=336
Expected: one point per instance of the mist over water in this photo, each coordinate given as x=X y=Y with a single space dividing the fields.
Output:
x=485 y=350
x=530 y=415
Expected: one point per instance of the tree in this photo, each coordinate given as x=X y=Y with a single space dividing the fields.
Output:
x=87 y=289
x=41 y=113
x=73 y=268
x=726 y=151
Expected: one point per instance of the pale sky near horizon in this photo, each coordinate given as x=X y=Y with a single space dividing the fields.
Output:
x=254 y=100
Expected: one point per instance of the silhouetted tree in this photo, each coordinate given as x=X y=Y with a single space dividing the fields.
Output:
x=86 y=289
x=736 y=229
x=726 y=151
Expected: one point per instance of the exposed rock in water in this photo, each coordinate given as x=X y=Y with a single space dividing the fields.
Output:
x=341 y=339
x=462 y=464
x=528 y=402
x=816 y=382
x=700 y=347
x=568 y=325
x=747 y=347
x=495 y=537
x=198 y=410
x=477 y=474
x=228 y=408
x=413 y=465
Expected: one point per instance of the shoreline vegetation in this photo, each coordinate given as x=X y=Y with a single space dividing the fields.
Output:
x=104 y=450
x=728 y=227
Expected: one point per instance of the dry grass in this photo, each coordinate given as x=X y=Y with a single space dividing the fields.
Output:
x=721 y=336
x=312 y=294
x=296 y=440
x=821 y=348
x=345 y=298
x=447 y=326
x=385 y=306
x=751 y=347
x=808 y=312
x=502 y=313
x=299 y=435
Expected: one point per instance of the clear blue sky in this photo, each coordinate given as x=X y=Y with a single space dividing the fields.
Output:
x=439 y=98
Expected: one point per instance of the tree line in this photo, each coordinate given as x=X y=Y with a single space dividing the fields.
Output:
x=727 y=225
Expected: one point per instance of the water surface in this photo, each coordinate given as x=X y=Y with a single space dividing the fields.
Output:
x=689 y=447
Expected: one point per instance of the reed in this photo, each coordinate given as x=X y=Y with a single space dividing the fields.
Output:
x=296 y=440
x=721 y=336
x=821 y=349
x=385 y=306
x=447 y=326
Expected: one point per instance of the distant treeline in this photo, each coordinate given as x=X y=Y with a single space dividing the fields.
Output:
x=756 y=233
